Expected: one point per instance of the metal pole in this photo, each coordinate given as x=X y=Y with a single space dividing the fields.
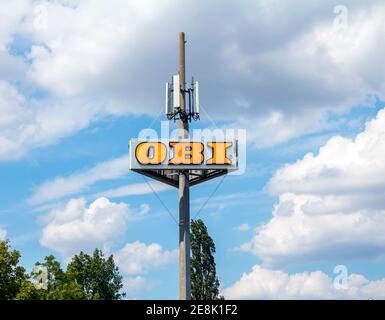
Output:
x=184 y=192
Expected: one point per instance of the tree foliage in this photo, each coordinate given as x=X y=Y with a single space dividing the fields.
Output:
x=12 y=276
x=204 y=281
x=57 y=286
x=98 y=277
x=87 y=277
x=28 y=291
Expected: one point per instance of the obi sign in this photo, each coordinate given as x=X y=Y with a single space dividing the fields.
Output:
x=183 y=154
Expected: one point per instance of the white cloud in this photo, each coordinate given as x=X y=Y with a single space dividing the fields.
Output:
x=10 y=18
x=342 y=166
x=325 y=70
x=77 y=227
x=134 y=189
x=323 y=67
x=263 y=283
x=27 y=122
x=133 y=285
x=94 y=65
x=25 y=125
x=223 y=201
x=137 y=257
x=144 y=209
x=242 y=227
x=10 y=105
x=330 y=205
x=78 y=182
x=277 y=127
x=86 y=56
x=3 y=233
x=13 y=114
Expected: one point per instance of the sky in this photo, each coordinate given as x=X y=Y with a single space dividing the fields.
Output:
x=306 y=220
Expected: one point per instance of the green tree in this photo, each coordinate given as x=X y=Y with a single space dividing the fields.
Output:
x=28 y=291
x=98 y=277
x=204 y=281
x=56 y=284
x=53 y=273
x=66 y=291
x=86 y=277
x=12 y=275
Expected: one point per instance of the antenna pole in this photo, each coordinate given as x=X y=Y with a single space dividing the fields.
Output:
x=184 y=190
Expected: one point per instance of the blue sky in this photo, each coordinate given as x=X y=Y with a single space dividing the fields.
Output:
x=79 y=79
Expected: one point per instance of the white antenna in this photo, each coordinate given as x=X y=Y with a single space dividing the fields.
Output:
x=168 y=106
x=176 y=90
x=174 y=93
x=196 y=97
